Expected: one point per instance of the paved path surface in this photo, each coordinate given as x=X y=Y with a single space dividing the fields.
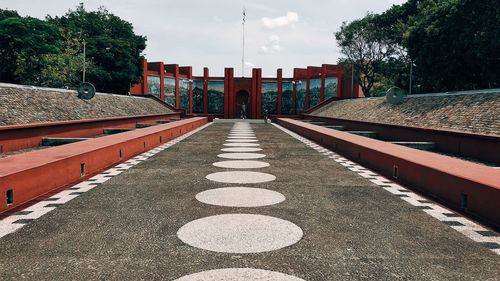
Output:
x=240 y=202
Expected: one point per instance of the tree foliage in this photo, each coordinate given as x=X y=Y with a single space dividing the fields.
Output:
x=455 y=44
x=365 y=48
x=112 y=46
x=23 y=43
x=50 y=52
x=452 y=44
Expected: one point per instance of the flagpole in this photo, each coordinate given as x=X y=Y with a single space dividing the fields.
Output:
x=243 y=53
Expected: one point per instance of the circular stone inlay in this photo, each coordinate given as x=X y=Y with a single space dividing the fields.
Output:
x=241 y=137
x=241 y=155
x=241 y=164
x=239 y=274
x=242 y=134
x=240 y=233
x=241 y=140
x=240 y=197
x=240 y=177
x=241 y=149
x=242 y=144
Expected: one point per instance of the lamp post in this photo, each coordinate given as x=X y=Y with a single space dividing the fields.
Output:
x=411 y=76
x=187 y=82
x=352 y=79
x=83 y=78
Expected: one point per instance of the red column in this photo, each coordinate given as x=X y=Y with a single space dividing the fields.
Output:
x=230 y=90
x=162 y=81
x=294 y=99
x=190 y=77
x=205 y=90
x=307 y=89
x=176 y=74
x=226 y=92
x=254 y=93
x=145 y=77
x=280 y=90
x=294 y=92
x=340 y=82
x=259 y=92
x=323 y=78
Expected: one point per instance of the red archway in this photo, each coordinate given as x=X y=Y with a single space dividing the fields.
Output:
x=242 y=97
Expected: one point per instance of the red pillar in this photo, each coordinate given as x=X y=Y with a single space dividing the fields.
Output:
x=176 y=74
x=294 y=98
x=145 y=77
x=323 y=78
x=226 y=92
x=205 y=90
x=308 y=78
x=254 y=93
x=258 y=92
x=280 y=90
x=162 y=81
x=294 y=91
x=340 y=83
x=229 y=98
x=190 y=79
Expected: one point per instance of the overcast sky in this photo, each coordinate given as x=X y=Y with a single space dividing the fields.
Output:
x=279 y=33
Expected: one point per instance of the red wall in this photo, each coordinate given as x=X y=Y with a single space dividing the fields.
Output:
x=18 y=137
x=443 y=178
x=27 y=174
x=233 y=86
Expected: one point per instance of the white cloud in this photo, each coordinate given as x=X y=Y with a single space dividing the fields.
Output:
x=211 y=32
x=289 y=20
x=249 y=65
x=272 y=46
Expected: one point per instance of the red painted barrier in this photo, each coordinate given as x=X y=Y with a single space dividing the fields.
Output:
x=463 y=144
x=18 y=137
x=447 y=179
x=33 y=174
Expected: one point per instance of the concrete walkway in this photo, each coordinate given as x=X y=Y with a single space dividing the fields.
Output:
x=239 y=201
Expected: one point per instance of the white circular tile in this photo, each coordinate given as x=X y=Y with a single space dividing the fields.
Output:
x=241 y=149
x=242 y=134
x=241 y=137
x=240 y=197
x=242 y=156
x=239 y=274
x=241 y=164
x=242 y=144
x=241 y=177
x=240 y=233
x=241 y=140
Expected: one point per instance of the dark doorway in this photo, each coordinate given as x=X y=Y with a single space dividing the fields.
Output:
x=242 y=97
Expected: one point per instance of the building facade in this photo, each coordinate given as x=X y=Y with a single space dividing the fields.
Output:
x=238 y=97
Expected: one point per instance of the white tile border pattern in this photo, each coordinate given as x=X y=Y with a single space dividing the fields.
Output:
x=21 y=218
x=480 y=234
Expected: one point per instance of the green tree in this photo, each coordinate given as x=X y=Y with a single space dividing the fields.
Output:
x=64 y=69
x=365 y=47
x=23 y=42
x=455 y=44
x=112 y=46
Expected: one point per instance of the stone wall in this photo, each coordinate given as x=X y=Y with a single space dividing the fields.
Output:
x=465 y=112
x=23 y=105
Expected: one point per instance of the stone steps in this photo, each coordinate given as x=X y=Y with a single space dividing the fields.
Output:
x=60 y=141
x=335 y=127
x=421 y=145
x=145 y=125
x=112 y=131
x=368 y=134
